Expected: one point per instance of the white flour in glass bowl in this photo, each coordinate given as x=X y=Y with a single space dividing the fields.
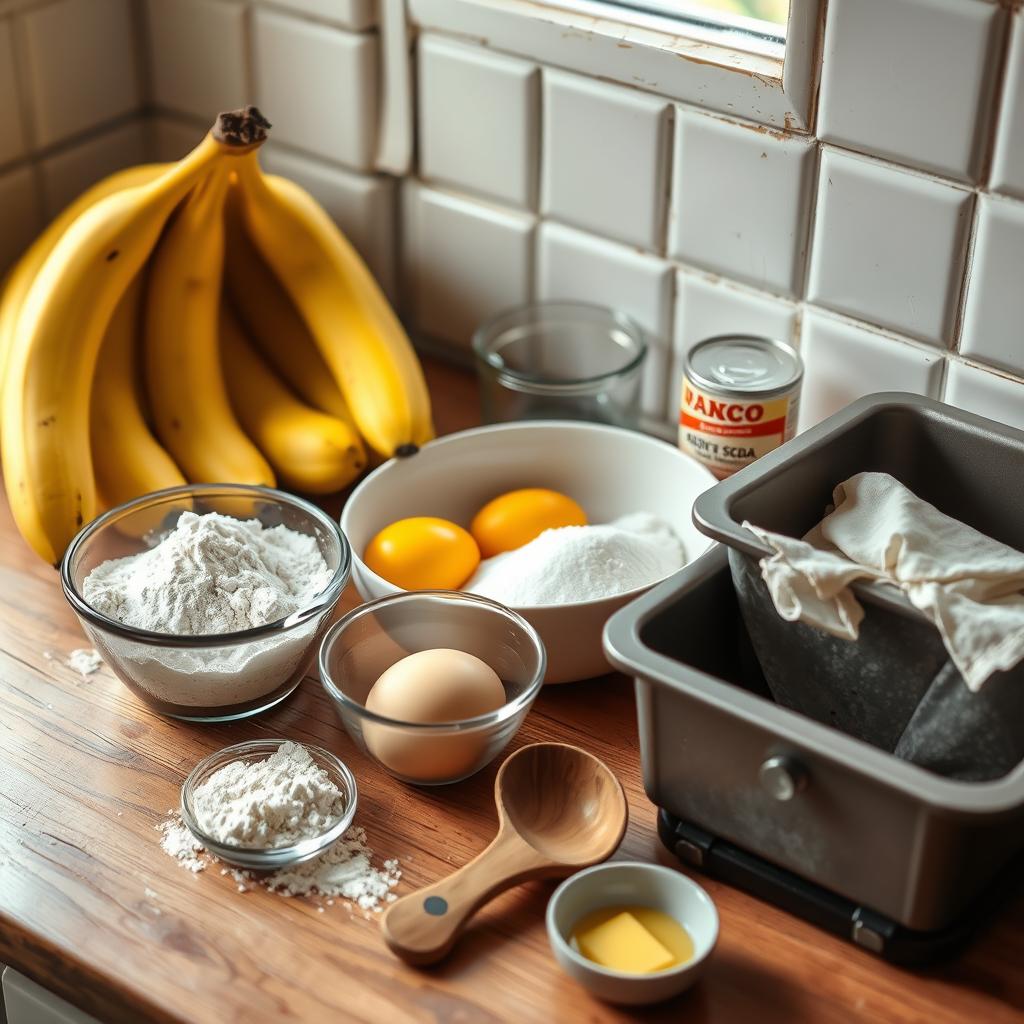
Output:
x=212 y=574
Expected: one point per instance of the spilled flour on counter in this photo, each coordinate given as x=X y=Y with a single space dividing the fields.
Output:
x=180 y=843
x=282 y=800
x=345 y=870
x=85 y=660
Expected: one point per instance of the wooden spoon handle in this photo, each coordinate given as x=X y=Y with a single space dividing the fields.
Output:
x=422 y=927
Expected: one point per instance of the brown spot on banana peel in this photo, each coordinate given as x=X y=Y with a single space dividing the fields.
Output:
x=403 y=451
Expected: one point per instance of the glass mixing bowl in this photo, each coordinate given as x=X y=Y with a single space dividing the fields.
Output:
x=213 y=677
x=360 y=646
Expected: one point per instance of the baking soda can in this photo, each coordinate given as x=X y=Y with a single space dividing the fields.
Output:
x=740 y=398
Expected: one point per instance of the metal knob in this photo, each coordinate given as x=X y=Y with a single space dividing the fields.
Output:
x=783 y=777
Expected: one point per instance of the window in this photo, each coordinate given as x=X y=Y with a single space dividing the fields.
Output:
x=755 y=59
x=755 y=26
x=767 y=16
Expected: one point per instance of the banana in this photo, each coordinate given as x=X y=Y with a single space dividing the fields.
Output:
x=21 y=275
x=184 y=378
x=273 y=323
x=128 y=459
x=356 y=330
x=46 y=456
x=309 y=450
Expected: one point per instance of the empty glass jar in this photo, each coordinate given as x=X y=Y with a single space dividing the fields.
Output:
x=560 y=360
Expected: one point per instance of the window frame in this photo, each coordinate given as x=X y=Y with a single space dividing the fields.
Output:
x=777 y=91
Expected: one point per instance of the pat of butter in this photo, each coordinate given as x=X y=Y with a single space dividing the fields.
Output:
x=624 y=944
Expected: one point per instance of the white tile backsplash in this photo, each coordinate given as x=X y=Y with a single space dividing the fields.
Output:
x=354 y=14
x=1008 y=160
x=197 y=55
x=463 y=261
x=12 y=135
x=534 y=181
x=987 y=394
x=171 y=139
x=910 y=80
x=81 y=65
x=490 y=147
x=363 y=206
x=19 y=213
x=993 y=328
x=888 y=246
x=318 y=85
x=575 y=265
x=71 y=171
x=740 y=197
x=706 y=307
x=843 y=362
x=605 y=158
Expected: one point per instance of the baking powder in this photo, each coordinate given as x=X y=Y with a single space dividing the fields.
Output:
x=280 y=801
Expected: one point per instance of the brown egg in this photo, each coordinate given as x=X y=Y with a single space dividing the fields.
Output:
x=441 y=685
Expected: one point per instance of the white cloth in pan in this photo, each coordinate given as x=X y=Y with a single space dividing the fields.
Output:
x=970 y=586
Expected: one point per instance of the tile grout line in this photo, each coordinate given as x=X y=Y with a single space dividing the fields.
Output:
x=996 y=89
x=667 y=160
x=967 y=253
x=813 y=189
x=249 y=53
x=23 y=87
x=537 y=110
x=141 y=36
x=542 y=118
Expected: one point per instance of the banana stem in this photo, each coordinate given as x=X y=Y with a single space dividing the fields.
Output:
x=243 y=130
x=236 y=133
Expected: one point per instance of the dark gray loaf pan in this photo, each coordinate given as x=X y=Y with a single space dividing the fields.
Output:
x=878 y=830
x=894 y=687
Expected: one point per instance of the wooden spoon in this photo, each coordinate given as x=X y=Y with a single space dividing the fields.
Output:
x=559 y=809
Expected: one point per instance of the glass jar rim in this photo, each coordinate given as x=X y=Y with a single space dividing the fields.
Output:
x=495 y=326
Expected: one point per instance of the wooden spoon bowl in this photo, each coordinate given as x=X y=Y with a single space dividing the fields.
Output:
x=563 y=801
x=559 y=809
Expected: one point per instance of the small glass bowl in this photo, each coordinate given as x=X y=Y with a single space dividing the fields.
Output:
x=215 y=677
x=560 y=360
x=361 y=645
x=268 y=858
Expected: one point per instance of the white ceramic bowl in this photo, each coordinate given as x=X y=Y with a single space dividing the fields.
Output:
x=609 y=471
x=632 y=884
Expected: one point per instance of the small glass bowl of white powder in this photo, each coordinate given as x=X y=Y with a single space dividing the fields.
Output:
x=269 y=804
x=208 y=601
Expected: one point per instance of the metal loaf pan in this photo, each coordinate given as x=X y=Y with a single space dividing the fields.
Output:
x=882 y=832
x=894 y=687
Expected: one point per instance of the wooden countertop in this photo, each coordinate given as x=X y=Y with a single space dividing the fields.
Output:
x=86 y=771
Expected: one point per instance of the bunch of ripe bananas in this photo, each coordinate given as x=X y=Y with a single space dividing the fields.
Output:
x=196 y=321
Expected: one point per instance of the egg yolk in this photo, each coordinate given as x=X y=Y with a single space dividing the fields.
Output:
x=514 y=519
x=423 y=553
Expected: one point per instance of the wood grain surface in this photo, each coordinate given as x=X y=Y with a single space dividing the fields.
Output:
x=86 y=771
